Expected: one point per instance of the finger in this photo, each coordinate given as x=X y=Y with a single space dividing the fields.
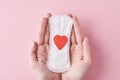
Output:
x=86 y=50
x=72 y=32
x=77 y=30
x=70 y=15
x=42 y=30
x=33 y=56
x=49 y=15
x=41 y=53
x=47 y=33
x=72 y=38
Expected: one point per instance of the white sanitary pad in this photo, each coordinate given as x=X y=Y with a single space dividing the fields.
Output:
x=60 y=30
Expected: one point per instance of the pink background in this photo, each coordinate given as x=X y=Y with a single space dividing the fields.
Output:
x=19 y=26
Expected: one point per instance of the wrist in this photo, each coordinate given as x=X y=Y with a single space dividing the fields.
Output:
x=70 y=78
x=47 y=77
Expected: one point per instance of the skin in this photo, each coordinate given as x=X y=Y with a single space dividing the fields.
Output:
x=80 y=56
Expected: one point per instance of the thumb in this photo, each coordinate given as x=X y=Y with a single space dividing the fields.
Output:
x=86 y=50
x=33 y=54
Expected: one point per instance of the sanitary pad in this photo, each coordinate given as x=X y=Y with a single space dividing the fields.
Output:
x=60 y=30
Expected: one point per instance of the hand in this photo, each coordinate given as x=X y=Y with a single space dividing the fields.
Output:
x=39 y=53
x=80 y=54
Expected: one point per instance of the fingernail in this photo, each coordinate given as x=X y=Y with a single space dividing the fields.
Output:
x=33 y=43
x=49 y=14
x=87 y=39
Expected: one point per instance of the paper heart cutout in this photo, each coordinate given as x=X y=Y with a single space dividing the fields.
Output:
x=60 y=41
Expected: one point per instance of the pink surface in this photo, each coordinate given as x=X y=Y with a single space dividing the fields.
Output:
x=19 y=26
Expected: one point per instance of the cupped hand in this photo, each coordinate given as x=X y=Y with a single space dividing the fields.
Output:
x=79 y=54
x=38 y=57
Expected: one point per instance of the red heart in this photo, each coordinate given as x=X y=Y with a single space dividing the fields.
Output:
x=60 y=41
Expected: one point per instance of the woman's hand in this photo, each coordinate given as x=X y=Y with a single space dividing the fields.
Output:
x=38 y=57
x=79 y=54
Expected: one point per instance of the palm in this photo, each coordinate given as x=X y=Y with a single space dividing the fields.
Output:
x=41 y=64
x=77 y=64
